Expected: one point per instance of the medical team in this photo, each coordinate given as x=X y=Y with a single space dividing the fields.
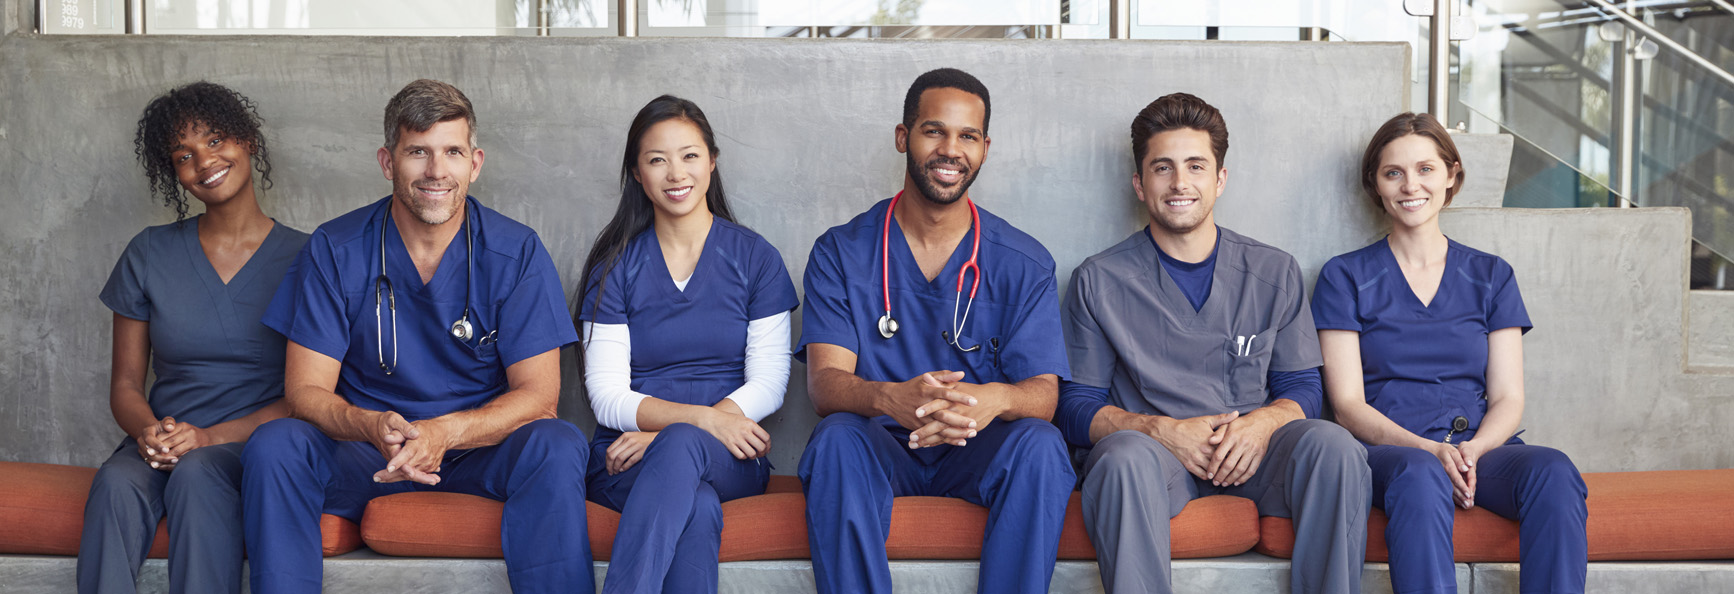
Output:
x=413 y=345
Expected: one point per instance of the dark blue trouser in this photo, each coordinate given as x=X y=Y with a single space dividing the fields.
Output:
x=201 y=497
x=853 y=466
x=671 y=530
x=294 y=472
x=1537 y=485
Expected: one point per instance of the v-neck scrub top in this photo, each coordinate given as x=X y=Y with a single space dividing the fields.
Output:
x=1424 y=365
x=690 y=346
x=517 y=308
x=214 y=361
x=1130 y=327
x=1015 y=318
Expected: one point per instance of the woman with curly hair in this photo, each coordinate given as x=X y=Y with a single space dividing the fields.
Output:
x=187 y=298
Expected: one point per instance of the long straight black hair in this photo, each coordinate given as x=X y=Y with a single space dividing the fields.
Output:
x=635 y=212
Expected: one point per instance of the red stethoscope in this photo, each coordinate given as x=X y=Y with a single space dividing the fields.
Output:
x=888 y=325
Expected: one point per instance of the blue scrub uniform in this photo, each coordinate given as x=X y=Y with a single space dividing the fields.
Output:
x=688 y=347
x=1425 y=365
x=326 y=303
x=214 y=362
x=854 y=466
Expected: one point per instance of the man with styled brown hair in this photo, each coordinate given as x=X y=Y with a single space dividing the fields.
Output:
x=1195 y=372
x=424 y=355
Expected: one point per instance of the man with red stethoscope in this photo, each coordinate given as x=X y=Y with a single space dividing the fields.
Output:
x=933 y=345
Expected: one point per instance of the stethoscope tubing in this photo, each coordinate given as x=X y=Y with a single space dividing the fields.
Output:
x=887 y=324
x=460 y=329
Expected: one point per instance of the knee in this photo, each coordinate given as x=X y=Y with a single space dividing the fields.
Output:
x=1130 y=461
x=553 y=440
x=841 y=432
x=202 y=472
x=1037 y=438
x=119 y=484
x=275 y=444
x=1327 y=442
x=678 y=442
x=1553 y=474
x=1415 y=469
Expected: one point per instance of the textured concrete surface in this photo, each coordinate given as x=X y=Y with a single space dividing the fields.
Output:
x=1486 y=167
x=806 y=142
x=366 y=572
x=1622 y=578
x=1710 y=329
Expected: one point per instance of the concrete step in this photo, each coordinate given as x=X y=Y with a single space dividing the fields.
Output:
x=1486 y=166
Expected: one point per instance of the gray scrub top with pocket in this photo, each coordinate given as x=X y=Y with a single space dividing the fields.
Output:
x=1129 y=328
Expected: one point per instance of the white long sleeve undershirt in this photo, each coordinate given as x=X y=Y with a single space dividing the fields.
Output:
x=608 y=371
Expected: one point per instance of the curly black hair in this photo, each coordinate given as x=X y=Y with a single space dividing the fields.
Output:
x=205 y=104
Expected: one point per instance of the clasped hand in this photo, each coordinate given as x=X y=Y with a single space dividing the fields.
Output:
x=1225 y=449
x=938 y=407
x=1459 y=462
x=743 y=437
x=413 y=451
x=164 y=442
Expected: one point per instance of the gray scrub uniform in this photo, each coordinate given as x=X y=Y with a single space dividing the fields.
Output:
x=1129 y=327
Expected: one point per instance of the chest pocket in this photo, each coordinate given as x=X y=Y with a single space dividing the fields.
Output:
x=1249 y=368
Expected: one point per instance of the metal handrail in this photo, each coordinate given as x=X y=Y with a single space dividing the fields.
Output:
x=1652 y=33
x=1724 y=5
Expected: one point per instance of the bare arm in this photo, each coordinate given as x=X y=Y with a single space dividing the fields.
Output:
x=126 y=389
x=532 y=393
x=1187 y=439
x=309 y=384
x=1345 y=387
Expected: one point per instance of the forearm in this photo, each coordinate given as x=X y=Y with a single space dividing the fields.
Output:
x=656 y=414
x=333 y=415
x=1033 y=398
x=1369 y=425
x=835 y=390
x=1279 y=412
x=491 y=423
x=1504 y=415
x=131 y=411
x=1111 y=419
x=238 y=430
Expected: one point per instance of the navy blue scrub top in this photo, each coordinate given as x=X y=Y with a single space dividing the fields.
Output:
x=214 y=361
x=518 y=310
x=1015 y=319
x=1424 y=365
x=690 y=346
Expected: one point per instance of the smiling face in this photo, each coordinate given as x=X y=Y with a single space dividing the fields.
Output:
x=674 y=166
x=213 y=168
x=431 y=171
x=1179 y=180
x=1413 y=181
x=946 y=145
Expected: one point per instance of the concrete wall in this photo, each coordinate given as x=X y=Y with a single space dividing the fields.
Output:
x=805 y=128
x=1711 y=329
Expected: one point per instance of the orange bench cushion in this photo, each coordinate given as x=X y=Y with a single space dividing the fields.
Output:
x=774 y=526
x=42 y=513
x=1666 y=515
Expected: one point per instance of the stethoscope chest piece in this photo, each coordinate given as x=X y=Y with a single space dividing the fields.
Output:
x=462 y=330
x=887 y=326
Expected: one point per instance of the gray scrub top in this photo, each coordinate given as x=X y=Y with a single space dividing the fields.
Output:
x=213 y=360
x=1128 y=327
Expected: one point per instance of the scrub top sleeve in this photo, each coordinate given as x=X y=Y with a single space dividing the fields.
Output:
x=1334 y=298
x=826 y=317
x=610 y=306
x=773 y=291
x=532 y=318
x=125 y=291
x=1297 y=339
x=1092 y=356
x=1079 y=404
x=309 y=307
x=1036 y=343
x=1507 y=310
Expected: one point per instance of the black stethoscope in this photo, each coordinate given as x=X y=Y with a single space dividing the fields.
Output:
x=887 y=324
x=461 y=329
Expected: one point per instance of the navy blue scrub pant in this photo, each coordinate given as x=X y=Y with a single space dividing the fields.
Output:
x=202 y=499
x=671 y=530
x=1538 y=486
x=293 y=471
x=853 y=466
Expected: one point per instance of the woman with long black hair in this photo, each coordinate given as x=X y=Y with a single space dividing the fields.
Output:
x=685 y=319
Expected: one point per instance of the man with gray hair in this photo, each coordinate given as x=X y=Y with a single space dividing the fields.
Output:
x=424 y=355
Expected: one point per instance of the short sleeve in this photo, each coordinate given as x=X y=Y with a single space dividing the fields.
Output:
x=772 y=290
x=1506 y=309
x=1037 y=345
x=825 y=317
x=533 y=318
x=310 y=307
x=125 y=290
x=1297 y=339
x=603 y=301
x=1092 y=356
x=1334 y=296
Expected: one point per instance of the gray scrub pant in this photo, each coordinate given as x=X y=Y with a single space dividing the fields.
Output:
x=1313 y=471
x=202 y=497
